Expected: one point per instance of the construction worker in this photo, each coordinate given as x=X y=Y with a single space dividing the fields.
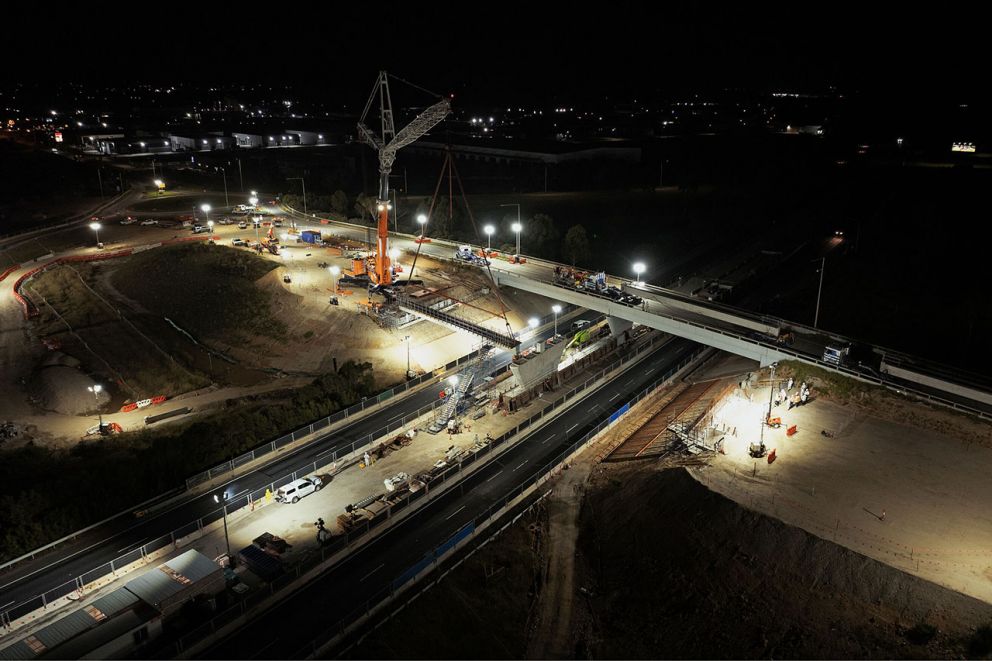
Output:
x=368 y=459
x=791 y=382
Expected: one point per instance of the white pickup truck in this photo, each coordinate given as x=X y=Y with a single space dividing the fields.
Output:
x=292 y=492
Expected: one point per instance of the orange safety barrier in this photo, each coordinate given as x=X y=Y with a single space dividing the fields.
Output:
x=791 y=431
x=324 y=221
x=771 y=456
x=127 y=408
x=159 y=399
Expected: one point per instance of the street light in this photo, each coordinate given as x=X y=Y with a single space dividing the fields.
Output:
x=639 y=268
x=489 y=230
x=406 y=338
x=253 y=200
x=205 y=208
x=334 y=271
x=302 y=181
x=533 y=322
x=422 y=219
x=516 y=227
x=557 y=310
x=210 y=227
x=227 y=540
x=96 y=228
x=95 y=389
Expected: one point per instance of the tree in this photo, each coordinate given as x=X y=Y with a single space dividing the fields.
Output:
x=541 y=236
x=365 y=206
x=339 y=202
x=577 y=244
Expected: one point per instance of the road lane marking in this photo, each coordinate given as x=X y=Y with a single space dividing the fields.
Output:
x=521 y=464
x=571 y=428
x=614 y=397
x=372 y=572
x=649 y=371
x=548 y=439
x=456 y=511
x=495 y=476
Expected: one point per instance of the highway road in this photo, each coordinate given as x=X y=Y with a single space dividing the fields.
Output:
x=283 y=630
x=121 y=534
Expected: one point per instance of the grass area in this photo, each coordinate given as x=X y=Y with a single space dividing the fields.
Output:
x=207 y=290
x=101 y=339
x=176 y=201
x=96 y=479
x=838 y=387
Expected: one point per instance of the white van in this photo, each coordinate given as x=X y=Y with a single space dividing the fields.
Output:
x=292 y=492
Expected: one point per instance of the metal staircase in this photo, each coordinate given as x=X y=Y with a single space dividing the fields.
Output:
x=466 y=380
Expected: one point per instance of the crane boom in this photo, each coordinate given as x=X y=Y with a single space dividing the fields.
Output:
x=387 y=145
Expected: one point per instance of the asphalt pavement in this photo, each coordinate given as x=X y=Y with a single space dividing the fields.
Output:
x=285 y=629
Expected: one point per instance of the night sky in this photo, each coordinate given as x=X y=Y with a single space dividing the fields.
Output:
x=509 y=52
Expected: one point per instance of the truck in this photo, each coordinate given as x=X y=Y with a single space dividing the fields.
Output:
x=836 y=355
x=310 y=236
x=466 y=254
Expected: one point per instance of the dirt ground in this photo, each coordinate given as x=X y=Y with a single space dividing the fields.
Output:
x=648 y=559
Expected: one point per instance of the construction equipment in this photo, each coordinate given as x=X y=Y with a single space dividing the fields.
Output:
x=387 y=143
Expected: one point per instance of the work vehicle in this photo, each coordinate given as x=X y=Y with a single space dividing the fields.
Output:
x=242 y=225
x=129 y=221
x=465 y=254
x=292 y=492
x=149 y=222
x=199 y=228
x=277 y=222
x=286 y=278
x=836 y=355
x=310 y=236
x=238 y=241
x=580 y=324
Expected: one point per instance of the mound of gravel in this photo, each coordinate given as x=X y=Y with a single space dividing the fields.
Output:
x=63 y=389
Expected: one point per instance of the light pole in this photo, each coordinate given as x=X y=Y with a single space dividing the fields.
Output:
x=557 y=310
x=422 y=219
x=406 y=339
x=210 y=229
x=823 y=266
x=227 y=540
x=334 y=271
x=205 y=208
x=95 y=389
x=227 y=201
x=516 y=226
x=96 y=228
x=638 y=270
x=489 y=230
x=302 y=181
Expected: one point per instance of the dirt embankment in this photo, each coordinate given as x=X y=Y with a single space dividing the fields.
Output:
x=675 y=570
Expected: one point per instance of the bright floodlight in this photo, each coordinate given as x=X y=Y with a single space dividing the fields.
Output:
x=556 y=309
x=334 y=270
x=95 y=389
x=516 y=227
x=94 y=226
x=205 y=208
x=453 y=379
x=394 y=253
x=489 y=229
x=159 y=183
x=639 y=268
x=253 y=200
x=254 y=193
x=210 y=224
x=533 y=322
x=421 y=219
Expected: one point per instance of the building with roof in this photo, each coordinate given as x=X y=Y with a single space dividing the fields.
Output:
x=120 y=622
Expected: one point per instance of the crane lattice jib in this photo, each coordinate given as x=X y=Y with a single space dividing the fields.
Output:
x=423 y=123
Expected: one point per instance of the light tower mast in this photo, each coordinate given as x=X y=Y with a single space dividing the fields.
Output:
x=387 y=144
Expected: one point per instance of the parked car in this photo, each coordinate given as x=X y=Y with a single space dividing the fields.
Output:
x=277 y=222
x=199 y=228
x=149 y=222
x=292 y=492
x=129 y=221
x=242 y=225
x=238 y=241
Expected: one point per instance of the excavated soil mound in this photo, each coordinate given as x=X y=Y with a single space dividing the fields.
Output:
x=675 y=570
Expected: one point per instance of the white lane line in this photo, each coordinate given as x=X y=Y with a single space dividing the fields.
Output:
x=495 y=476
x=521 y=464
x=372 y=572
x=629 y=382
x=132 y=546
x=455 y=512
x=649 y=371
x=396 y=417
x=548 y=439
x=614 y=397
x=571 y=428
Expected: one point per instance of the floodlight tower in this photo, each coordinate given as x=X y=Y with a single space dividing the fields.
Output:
x=387 y=143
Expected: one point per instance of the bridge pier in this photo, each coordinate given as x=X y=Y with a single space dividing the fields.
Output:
x=618 y=327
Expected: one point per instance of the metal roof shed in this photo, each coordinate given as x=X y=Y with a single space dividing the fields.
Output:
x=173 y=583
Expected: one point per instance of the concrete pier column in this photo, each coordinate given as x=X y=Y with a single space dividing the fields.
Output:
x=617 y=328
